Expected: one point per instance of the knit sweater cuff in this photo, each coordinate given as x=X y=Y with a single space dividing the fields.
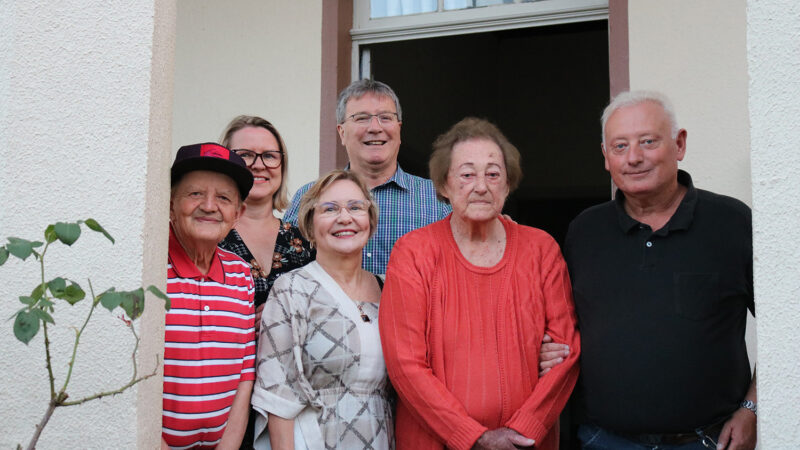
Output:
x=465 y=434
x=527 y=426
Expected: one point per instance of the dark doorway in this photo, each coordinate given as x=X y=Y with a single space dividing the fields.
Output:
x=545 y=87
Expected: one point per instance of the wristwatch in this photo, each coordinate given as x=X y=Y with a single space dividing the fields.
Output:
x=749 y=404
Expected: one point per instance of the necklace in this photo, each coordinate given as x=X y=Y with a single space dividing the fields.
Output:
x=364 y=315
x=356 y=294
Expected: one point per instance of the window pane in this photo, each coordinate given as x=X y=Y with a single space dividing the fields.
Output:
x=388 y=8
x=464 y=4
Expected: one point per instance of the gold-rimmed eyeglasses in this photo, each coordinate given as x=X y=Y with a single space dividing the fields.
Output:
x=355 y=208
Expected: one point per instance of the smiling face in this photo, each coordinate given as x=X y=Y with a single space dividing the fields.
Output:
x=345 y=233
x=373 y=144
x=266 y=181
x=640 y=152
x=204 y=207
x=477 y=184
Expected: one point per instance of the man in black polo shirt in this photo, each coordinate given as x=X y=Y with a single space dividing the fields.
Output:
x=662 y=280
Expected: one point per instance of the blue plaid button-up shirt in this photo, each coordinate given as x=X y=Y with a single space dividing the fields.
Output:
x=405 y=203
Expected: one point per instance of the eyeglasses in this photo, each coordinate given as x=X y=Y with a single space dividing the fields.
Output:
x=356 y=208
x=271 y=158
x=384 y=118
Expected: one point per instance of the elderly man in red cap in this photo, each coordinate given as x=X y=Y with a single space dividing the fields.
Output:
x=209 y=338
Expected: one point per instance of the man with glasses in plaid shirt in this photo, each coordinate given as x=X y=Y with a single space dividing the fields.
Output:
x=369 y=118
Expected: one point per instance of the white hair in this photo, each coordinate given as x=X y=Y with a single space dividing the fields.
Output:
x=633 y=98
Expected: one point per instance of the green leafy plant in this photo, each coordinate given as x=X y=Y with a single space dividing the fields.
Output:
x=39 y=307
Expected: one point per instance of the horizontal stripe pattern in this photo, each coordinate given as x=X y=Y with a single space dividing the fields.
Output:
x=209 y=346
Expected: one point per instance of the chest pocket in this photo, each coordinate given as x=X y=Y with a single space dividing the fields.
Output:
x=696 y=295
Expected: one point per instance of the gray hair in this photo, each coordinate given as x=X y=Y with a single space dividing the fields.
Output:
x=633 y=98
x=358 y=89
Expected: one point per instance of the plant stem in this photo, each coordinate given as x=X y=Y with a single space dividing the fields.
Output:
x=78 y=333
x=49 y=365
x=114 y=392
x=131 y=383
x=50 y=408
x=135 y=349
x=46 y=337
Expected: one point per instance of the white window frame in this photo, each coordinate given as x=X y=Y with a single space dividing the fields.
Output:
x=462 y=21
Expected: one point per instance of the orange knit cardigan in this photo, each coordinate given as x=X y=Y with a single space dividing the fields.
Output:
x=461 y=342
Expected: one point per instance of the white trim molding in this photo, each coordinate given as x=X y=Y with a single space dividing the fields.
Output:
x=473 y=20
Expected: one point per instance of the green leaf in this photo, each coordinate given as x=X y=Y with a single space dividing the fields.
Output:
x=3 y=255
x=67 y=233
x=57 y=286
x=41 y=314
x=45 y=303
x=26 y=325
x=38 y=291
x=21 y=248
x=94 y=226
x=50 y=233
x=133 y=303
x=110 y=299
x=157 y=292
x=27 y=300
x=73 y=293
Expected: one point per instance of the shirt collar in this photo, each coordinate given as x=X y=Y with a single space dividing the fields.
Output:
x=184 y=266
x=400 y=178
x=680 y=220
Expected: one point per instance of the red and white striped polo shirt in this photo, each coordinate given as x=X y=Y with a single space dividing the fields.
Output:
x=209 y=345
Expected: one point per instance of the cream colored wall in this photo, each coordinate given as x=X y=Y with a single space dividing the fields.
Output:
x=695 y=52
x=773 y=27
x=85 y=97
x=250 y=57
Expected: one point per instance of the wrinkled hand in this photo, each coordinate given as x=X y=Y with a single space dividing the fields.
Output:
x=739 y=432
x=551 y=354
x=502 y=439
x=258 y=316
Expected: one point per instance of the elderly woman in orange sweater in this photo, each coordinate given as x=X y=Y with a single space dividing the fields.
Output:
x=466 y=304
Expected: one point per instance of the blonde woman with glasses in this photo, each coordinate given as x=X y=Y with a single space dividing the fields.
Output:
x=321 y=380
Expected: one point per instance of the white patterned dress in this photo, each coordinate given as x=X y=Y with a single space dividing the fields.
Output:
x=320 y=364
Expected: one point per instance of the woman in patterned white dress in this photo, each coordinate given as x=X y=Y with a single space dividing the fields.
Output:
x=321 y=380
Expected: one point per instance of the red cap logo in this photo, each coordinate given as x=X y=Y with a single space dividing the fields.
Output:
x=215 y=151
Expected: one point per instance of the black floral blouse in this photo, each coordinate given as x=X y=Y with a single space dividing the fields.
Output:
x=292 y=250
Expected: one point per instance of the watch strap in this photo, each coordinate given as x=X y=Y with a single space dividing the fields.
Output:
x=749 y=404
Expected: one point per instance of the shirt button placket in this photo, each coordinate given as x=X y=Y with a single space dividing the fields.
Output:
x=646 y=236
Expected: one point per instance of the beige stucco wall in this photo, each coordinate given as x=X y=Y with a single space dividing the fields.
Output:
x=251 y=57
x=773 y=27
x=695 y=52
x=84 y=132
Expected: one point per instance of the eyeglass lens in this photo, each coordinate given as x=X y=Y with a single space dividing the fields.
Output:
x=271 y=159
x=354 y=207
x=383 y=118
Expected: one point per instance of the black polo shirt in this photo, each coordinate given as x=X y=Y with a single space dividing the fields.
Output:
x=662 y=313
